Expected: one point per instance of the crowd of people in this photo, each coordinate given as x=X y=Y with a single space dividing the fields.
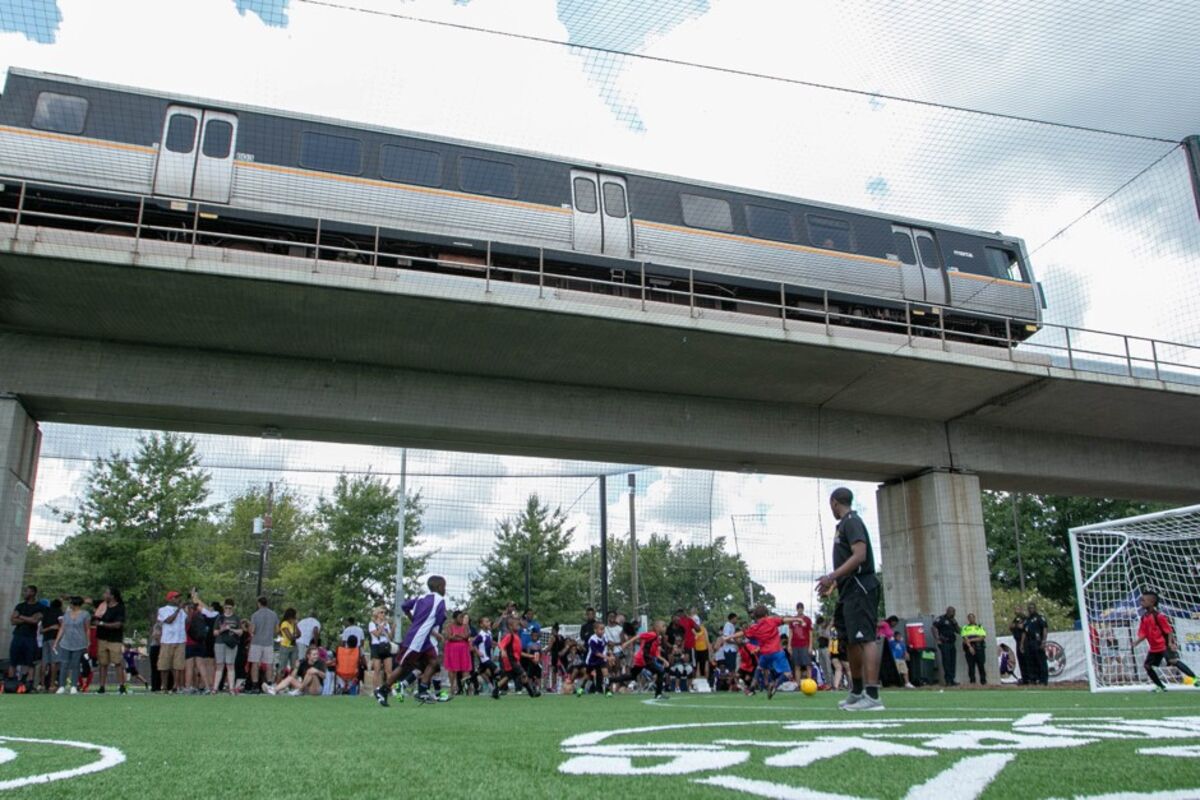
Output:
x=66 y=644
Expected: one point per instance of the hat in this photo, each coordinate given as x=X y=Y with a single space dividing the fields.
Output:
x=172 y=595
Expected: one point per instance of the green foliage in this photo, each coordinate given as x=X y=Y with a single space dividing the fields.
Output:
x=135 y=521
x=675 y=575
x=539 y=538
x=345 y=562
x=1043 y=524
x=1006 y=601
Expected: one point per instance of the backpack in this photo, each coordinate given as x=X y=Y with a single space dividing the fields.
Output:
x=199 y=627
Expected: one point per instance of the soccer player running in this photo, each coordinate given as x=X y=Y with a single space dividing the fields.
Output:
x=856 y=614
x=596 y=662
x=647 y=657
x=483 y=648
x=772 y=661
x=418 y=650
x=510 y=663
x=1156 y=629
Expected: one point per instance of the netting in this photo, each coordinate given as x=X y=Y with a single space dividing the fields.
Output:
x=1115 y=562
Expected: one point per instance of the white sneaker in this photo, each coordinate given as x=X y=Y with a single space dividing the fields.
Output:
x=909 y=686
x=269 y=689
x=866 y=703
x=61 y=690
x=74 y=690
x=850 y=700
x=294 y=693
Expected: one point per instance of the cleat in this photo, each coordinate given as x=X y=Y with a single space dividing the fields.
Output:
x=425 y=697
x=444 y=697
x=381 y=697
x=771 y=691
x=608 y=693
x=850 y=700
x=121 y=689
x=100 y=690
x=866 y=703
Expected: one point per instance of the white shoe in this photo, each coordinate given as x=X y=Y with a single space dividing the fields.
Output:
x=295 y=693
x=74 y=690
x=61 y=690
x=909 y=686
x=269 y=689
x=866 y=703
x=850 y=700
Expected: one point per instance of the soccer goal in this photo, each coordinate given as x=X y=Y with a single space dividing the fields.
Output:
x=1114 y=563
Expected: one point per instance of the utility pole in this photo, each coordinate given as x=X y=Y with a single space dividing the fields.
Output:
x=266 y=540
x=1012 y=499
x=401 y=525
x=528 y=558
x=633 y=567
x=604 y=548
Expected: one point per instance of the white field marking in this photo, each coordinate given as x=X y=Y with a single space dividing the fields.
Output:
x=989 y=740
x=805 y=753
x=7 y=755
x=963 y=780
x=822 y=709
x=595 y=737
x=1182 y=751
x=1170 y=794
x=109 y=757
x=769 y=790
x=618 y=760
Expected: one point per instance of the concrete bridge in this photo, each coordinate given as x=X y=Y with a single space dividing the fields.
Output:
x=112 y=330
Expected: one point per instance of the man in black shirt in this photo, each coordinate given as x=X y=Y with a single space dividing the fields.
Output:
x=587 y=627
x=1035 y=646
x=947 y=629
x=110 y=636
x=857 y=612
x=25 y=619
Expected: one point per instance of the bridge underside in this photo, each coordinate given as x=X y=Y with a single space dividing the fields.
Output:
x=435 y=361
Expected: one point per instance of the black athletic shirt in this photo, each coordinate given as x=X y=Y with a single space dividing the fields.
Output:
x=112 y=613
x=28 y=629
x=850 y=529
x=1035 y=629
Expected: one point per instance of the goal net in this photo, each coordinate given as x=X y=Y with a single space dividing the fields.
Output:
x=1114 y=563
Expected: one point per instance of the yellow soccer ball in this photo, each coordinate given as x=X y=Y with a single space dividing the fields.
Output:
x=1188 y=680
x=808 y=686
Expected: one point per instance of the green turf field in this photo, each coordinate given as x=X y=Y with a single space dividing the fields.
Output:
x=1004 y=743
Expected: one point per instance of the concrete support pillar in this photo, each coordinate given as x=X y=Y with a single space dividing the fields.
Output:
x=934 y=553
x=20 y=440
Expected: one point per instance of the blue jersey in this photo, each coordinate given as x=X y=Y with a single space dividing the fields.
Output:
x=596 y=647
x=899 y=651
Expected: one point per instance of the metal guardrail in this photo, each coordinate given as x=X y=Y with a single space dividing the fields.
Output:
x=1148 y=362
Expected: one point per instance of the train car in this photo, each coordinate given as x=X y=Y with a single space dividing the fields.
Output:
x=441 y=201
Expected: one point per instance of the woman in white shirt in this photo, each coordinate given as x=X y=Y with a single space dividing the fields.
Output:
x=380 y=630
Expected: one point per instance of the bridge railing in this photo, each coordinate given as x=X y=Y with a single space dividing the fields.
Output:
x=924 y=324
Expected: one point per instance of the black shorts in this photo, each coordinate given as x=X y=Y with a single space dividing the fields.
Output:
x=857 y=614
x=21 y=651
x=381 y=652
x=193 y=651
x=515 y=673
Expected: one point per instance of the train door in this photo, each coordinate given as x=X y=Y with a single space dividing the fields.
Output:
x=600 y=207
x=195 y=155
x=920 y=264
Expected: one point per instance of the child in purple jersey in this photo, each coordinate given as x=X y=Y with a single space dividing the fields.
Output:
x=483 y=644
x=418 y=656
x=596 y=662
x=131 y=665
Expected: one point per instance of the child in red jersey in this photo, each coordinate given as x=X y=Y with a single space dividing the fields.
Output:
x=647 y=656
x=771 y=658
x=510 y=665
x=1156 y=629
x=747 y=665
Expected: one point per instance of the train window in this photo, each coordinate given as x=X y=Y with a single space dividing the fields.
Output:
x=904 y=247
x=706 y=212
x=929 y=253
x=410 y=165
x=614 y=200
x=181 y=133
x=770 y=223
x=63 y=113
x=830 y=234
x=327 y=153
x=585 y=195
x=218 y=139
x=479 y=176
x=1004 y=264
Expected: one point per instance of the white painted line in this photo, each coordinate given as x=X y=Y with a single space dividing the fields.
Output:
x=964 y=780
x=109 y=757
x=769 y=790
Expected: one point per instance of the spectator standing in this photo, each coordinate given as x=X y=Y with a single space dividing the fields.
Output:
x=310 y=632
x=947 y=629
x=588 y=625
x=352 y=629
x=823 y=661
x=614 y=634
x=228 y=631
x=458 y=652
x=289 y=635
x=701 y=650
x=110 y=636
x=380 y=629
x=729 y=650
x=687 y=626
x=800 y=639
x=974 y=639
x=263 y=624
x=153 y=650
x=1156 y=629
x=1034 y=642
x=1016 y=629
x=900 y=656
x=72 y=643
x=51 y=618
x=171 y=656
x=25 y=620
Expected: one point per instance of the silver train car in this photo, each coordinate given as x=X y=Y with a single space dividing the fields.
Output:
x=439 y=203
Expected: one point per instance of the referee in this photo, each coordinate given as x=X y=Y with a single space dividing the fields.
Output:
x=857 y=609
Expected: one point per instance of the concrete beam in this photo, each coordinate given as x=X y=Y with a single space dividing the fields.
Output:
x=20 y=440
x=93 y=382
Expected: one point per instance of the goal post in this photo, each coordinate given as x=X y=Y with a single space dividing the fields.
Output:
x=1114 y=563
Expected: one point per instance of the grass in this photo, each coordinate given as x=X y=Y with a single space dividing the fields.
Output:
x=341 y=747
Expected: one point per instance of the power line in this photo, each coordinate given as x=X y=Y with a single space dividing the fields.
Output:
x=726 y=70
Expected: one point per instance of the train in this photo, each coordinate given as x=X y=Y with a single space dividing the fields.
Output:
x=259 y=178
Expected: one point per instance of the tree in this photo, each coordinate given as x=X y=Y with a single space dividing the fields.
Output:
x=535 y=540
x=134 y=521
x=1043 y=524
x=345 y=563
x=677 y=575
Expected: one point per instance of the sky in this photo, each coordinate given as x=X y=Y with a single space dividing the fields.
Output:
x=1129 y=266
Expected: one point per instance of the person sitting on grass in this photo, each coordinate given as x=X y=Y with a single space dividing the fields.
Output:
x=307 y=679
x=348 y=664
